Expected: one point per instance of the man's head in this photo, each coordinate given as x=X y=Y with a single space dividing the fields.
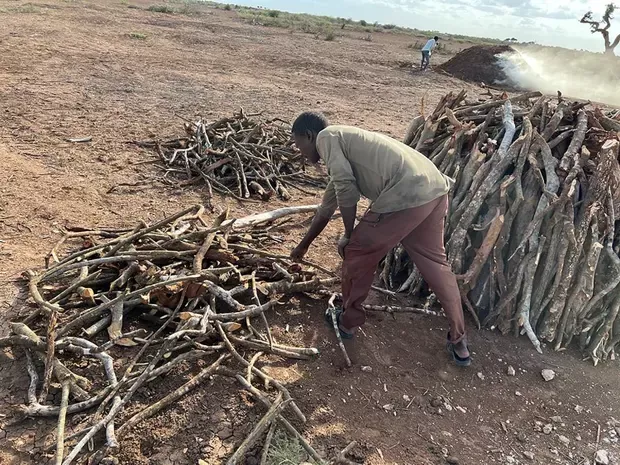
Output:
x=436 y=38
x=305 y=129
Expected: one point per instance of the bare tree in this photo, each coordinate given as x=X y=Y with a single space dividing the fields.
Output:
x=603 y=27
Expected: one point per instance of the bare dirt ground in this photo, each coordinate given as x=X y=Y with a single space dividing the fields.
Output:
x=71 y=69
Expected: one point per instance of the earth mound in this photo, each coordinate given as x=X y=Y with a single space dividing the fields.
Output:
x=479 y=64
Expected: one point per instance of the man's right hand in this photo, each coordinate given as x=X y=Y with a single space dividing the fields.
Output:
x=318 y=225
x=299 y=252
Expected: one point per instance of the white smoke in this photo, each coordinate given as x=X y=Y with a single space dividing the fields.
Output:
x=580 y=75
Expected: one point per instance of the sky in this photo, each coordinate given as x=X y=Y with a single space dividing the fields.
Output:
x=545 y=22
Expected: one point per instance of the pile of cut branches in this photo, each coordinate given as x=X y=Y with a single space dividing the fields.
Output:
x=237 y=156
x=532 y=230
x=179 y=293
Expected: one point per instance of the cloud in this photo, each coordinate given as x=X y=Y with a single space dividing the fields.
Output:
x=552 y=22
x=521 y=8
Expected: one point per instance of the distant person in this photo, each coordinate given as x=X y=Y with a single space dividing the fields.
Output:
x=427 y=50
x=409 y=198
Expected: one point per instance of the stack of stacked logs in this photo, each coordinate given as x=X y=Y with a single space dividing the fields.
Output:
x=531 y=231
x=239 y=156
x=181 y=293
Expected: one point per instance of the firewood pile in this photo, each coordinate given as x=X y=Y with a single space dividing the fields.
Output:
x=125 y=307
x=239 y=156
x=532 y=231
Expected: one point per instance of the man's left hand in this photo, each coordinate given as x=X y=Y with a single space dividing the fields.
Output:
x=342 y=243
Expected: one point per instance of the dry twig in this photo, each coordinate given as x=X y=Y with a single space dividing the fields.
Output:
x=183 y=282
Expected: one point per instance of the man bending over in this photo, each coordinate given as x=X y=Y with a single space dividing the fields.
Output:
x=409 y=205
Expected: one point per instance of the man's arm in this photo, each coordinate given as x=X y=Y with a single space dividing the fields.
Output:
x=345 y=184
x=348 y=218
x=319 y=222
x=341 y=176
x=341 y=191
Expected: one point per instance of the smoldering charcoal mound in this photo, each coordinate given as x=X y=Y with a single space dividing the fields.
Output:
x=480 y=64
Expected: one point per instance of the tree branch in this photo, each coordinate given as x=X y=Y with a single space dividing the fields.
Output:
x=595 y=26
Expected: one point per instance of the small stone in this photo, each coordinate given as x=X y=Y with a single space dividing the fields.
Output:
x=556 y=419
x=406 y=398
x=528 y=455
x=601 y=457
x=367 y=369
x=388 y=407
x=448 y=407
x=518 y=394
x=452 y=461
x=578 y=437
x=547 y=428
x=510 y=460
x=480 y=375
x=547 y=374
x=564 y=440
x=511 y=371
x=578 y=408
x=109 y=461
x=202 y=462
x=461 y=409
x=522 y=438
x=446 y=434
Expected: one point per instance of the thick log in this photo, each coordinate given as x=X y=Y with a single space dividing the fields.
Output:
x=469 y=279
x=413 y=127
x=500 y=164
x=576 y=142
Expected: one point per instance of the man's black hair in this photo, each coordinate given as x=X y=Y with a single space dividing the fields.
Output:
x=309 y=121
x=436 y=38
